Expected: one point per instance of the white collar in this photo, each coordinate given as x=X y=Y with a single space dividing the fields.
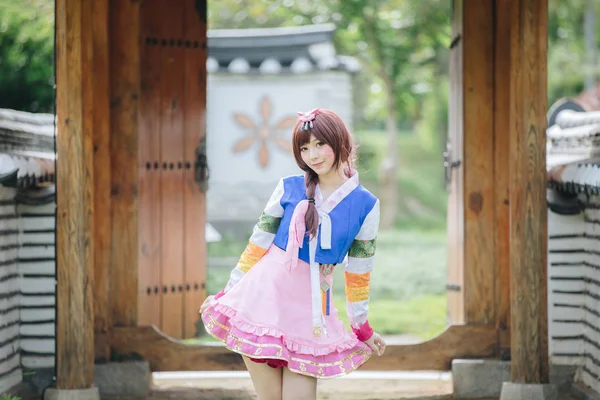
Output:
x=337 y=196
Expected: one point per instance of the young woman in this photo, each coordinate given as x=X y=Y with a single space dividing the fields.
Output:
x=277 y=310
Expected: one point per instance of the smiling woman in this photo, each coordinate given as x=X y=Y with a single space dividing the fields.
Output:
x=277 y=309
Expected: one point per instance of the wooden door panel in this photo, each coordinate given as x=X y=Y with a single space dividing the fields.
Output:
x=172 y=212
x=150 y=288
x=194 y=20
x=171 y=140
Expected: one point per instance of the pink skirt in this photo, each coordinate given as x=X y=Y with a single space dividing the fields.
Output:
x=267 y=316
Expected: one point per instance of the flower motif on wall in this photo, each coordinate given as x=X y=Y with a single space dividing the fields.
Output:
x=263 y=132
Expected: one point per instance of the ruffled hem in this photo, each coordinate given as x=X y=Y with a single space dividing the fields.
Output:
x=289 y=342
x=269 y=343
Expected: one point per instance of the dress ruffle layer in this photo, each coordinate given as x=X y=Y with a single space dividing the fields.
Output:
x=258 y=342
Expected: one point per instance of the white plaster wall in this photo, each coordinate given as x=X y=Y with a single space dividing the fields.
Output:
x=238 y=185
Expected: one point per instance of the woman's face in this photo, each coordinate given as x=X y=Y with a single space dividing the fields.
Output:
x=318 y=155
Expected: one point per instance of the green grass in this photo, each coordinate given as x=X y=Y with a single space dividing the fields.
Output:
x=8 y=397
x=227 y=247
x=423 y=315
x=407 y=264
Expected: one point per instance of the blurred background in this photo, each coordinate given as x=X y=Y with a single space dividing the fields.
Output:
x=382 y=65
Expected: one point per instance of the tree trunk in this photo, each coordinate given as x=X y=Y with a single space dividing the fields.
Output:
x=389 y=166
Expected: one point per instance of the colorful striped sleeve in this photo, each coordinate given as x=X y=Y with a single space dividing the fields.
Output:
x=262 y=237
x=361 y=258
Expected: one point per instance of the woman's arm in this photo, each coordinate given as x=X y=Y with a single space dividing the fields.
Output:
x=361 y=257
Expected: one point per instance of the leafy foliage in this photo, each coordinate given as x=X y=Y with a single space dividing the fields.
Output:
x=27 y=55
x=8 y=397
x=400 y=42
x=568 y=59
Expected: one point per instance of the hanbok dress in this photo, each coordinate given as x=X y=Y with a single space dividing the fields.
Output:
x=277 y=305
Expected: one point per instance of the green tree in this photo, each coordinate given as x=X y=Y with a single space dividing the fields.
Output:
x=399 y=42
x=570 y=54
x=27 y=55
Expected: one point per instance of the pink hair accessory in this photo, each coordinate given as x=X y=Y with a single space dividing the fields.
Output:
x=307 y=118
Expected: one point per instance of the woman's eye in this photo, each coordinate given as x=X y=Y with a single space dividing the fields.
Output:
x=303 y=148
x=320 y=144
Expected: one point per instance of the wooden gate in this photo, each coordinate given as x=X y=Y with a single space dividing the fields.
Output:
x=172 y=165
x=503 y=109
x=171 y=203
x=454 y=177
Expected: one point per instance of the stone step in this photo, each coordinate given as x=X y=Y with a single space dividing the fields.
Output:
x=359 y=385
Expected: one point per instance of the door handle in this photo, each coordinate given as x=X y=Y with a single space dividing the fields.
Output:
x=449 y=165
x=201 y=172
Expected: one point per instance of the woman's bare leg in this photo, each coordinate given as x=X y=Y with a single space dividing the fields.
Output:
x=298 y=387
x=267 y=381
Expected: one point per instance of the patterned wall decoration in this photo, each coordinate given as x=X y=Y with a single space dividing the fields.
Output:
x=263 y=131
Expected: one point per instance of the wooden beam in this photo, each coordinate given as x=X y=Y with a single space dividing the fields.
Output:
x=501 y=173
x=124 y=16
x=102 y=213
x=457 y=341
x=478 y=150
x=167 y=354
x=74 y=99
x=528 y=214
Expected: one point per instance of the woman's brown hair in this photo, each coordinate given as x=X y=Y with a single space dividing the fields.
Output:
x=329 y=128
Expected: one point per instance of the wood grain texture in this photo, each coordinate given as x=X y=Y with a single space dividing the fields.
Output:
x=194 y=198
x=124 y=101
x=479 y=186
x=167 y=354
x=75 y=326
x=455 y=215
x=171 y=114
x=528 y=214
x=172 y=207
x=501 y=170
x=102 y=211
x=149 y=202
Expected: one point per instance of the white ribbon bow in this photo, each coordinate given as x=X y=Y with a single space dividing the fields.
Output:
x=325 y=222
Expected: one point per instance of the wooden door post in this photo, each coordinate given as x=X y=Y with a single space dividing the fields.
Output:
x=102 y=174
x=74 y=171
x=528 y=214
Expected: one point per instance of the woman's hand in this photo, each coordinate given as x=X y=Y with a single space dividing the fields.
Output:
x=376 y=343
x=207 y=303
